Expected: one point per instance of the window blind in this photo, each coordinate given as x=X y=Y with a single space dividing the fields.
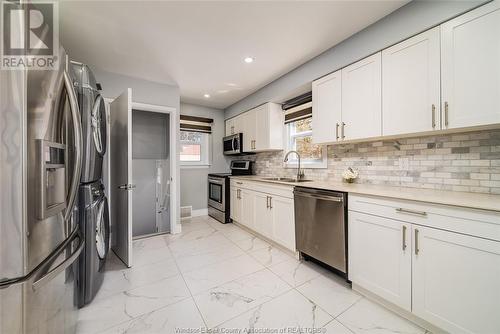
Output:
x=196 y=124
x=297 y=113
x=298 y=108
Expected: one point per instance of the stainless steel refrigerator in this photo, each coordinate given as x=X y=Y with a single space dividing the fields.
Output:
x=40 y=168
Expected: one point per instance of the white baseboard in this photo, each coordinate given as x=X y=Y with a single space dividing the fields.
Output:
x=199 y=212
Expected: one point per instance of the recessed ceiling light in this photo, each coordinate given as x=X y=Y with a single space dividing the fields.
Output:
x=249 y=60
x=206 y=95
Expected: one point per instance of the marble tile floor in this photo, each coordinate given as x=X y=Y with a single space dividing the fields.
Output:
x=219 y=277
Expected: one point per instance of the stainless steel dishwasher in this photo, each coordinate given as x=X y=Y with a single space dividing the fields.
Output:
x=320 y=226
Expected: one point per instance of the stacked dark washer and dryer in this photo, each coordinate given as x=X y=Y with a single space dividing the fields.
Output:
x=93 y=205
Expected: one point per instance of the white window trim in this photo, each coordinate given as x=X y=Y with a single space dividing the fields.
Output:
x=293 y=162
x=206 y=156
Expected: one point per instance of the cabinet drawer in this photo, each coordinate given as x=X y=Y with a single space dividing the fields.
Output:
x=480 y=223
x=268 y=188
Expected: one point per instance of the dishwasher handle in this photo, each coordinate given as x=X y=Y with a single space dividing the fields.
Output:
x=321 y=197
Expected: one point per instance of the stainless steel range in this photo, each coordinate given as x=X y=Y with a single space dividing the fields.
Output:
x=219 y=205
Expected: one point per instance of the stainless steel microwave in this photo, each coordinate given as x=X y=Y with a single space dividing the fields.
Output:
x=233 y=144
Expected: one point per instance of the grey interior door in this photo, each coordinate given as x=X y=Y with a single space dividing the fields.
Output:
x=121 y=176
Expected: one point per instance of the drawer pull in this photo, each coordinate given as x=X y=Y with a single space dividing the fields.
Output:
x=413 y=212
x=404 y=237
x=239 y=182
x=433 y=116
x=416 y=242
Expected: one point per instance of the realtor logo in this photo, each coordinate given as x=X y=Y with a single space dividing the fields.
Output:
x=29 y=35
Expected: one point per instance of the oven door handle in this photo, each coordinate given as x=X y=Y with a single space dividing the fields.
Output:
x=215 y=181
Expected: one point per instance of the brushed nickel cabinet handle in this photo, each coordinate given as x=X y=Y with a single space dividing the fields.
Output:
x=270 y=202
x=239 y=182
x=404 y=237
x=433 y=116
x=342 y=130
x=416 y=242
x=413 y=212
x=446 y=107
x=337 y=131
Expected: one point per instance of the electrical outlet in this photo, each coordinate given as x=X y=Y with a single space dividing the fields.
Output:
x=268 y=164
x=404 y=164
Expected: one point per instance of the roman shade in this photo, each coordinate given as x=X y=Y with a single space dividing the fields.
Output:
x=298 y=108
x=196 y=124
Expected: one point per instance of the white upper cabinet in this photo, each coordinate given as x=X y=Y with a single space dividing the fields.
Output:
x=249 y=130
x=262 y=128
x=234 y=125
x=362 y=99
x=470 y=60
x=327 y=108
x=411 y=85
x=229 y=126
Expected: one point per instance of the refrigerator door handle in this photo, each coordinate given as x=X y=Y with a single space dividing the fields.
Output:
x=77 y=125
x=23 y=279
x=63 y=265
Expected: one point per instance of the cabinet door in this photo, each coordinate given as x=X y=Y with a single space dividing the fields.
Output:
x=470 y=52
x=411 y=85
x=283 y=221
x=380 y=257
x=262 y=215
x=362 y=99
x=262 y=128
x=249 y=126
x=247 y=205
x=456 y=281
x=238 y=124
x=229 y=126
x=235 y=207
x=326 y=110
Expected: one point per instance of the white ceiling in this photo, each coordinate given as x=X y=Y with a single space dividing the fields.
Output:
x=200 y=46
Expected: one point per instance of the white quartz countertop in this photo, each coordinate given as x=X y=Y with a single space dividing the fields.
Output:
x=462 y=199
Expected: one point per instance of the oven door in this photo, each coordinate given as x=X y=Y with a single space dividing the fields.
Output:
x=216 y=191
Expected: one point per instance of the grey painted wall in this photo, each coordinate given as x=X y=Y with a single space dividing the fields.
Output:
x=150 y=135
x=405 y=22
x=194 y=187
x=143 y=91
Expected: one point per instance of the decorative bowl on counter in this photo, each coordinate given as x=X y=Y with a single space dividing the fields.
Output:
x=350 y=175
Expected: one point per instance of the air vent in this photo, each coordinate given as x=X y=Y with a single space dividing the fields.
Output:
x=186 y=212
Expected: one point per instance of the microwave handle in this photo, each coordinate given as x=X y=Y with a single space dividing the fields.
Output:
x=232 y=143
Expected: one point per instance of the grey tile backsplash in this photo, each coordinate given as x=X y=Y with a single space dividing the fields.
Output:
x=457 y=162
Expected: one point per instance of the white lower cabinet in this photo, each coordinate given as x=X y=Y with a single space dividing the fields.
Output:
x=283 y=221
x=263 y=217
x=247 y=205
x=449 y=279
x=235 y=208
x=456 y=281
x=267 y=211
x=380 y=257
